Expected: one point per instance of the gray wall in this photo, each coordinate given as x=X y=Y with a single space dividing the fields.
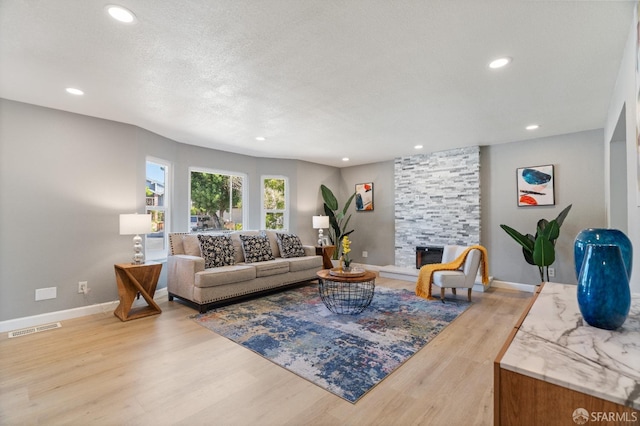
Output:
x=373 y=230
x=579 y=180
x=623 y=111
x=65 y=178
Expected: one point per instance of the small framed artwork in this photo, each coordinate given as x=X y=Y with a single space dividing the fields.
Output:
x=364 y=197
x=535 y=186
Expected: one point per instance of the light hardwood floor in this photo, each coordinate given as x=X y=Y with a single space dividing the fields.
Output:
x=168 y=370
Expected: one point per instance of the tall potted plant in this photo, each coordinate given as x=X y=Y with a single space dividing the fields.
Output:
x=338 y=219
x=539 y=249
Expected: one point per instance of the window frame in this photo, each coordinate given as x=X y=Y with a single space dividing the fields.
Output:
x=155 y=254
x=245 y=192
x=264 y=211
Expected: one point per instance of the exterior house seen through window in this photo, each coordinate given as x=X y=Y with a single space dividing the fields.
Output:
x=216 y=200
x=275 y=214
x=157 y=200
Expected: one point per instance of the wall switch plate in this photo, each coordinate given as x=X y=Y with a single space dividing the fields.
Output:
x=46 y=293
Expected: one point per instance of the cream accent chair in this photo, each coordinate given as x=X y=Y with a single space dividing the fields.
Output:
x=464 y=277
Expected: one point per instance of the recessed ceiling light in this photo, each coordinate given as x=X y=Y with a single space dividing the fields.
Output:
x=345 y=159
x=74 y=91
x=500 y=62
x=418 y=147
x=121 y=14
x=532 y=127
x=261 y=138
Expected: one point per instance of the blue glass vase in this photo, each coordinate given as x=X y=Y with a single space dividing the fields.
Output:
x=604 y=296
x=602 y=236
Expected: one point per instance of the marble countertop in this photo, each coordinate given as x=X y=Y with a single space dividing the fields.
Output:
x=556 y=345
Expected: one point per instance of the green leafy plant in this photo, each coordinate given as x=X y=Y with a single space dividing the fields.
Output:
x=539 y=249
x=338 y=219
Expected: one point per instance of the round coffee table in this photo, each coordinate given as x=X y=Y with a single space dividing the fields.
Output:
x=345 y=294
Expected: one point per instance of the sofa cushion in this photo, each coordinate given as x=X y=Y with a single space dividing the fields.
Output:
x=256 y=248
x=303 y=263
x=271 y=267
x=217 y=250
x=224 y=275
x=191 y=245
x=289 y=245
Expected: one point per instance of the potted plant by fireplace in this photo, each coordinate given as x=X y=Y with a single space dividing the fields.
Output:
x=338 y=219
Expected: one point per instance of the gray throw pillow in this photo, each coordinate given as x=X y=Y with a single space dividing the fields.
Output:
x=289 y=245
x=217 y=250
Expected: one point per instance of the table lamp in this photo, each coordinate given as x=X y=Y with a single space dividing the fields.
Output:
x=136 y=224
x=319 y=223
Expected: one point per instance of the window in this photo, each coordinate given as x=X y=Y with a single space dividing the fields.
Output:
x=157 y=200
x=275 y=214
x=216 y=200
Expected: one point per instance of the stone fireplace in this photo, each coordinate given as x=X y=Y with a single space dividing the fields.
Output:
x=437 y=201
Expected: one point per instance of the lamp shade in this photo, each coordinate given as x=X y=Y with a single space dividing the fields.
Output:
x=320 y=222
x=134 y=224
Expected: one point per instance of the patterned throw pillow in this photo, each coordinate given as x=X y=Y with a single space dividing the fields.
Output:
x=256 y=248
x=290 y=245
x=217 y=250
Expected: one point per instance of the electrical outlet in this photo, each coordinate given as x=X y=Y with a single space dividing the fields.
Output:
x=83 y=287
x=365 y=253
x=552 y=272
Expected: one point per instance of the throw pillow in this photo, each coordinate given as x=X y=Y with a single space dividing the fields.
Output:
x=290 y=245
x=256 y=248
x=217 y=250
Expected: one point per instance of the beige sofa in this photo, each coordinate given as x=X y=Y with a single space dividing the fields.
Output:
x=203 y=288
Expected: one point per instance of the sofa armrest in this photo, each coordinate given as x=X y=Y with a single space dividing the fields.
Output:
x=181 y=274
x=309 y=250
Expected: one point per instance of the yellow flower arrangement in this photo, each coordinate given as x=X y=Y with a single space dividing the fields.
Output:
x=346 y=248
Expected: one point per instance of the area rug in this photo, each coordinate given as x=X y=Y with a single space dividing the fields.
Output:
x=344 y=354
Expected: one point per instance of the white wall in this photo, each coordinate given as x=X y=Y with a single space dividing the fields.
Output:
x=624 y=99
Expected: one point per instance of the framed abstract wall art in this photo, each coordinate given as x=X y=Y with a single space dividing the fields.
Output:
x=535 y=186
x=364 y=197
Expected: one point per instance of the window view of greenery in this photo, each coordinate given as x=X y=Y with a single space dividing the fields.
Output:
x=274 y=203
x=216 y=201
x=156 y=204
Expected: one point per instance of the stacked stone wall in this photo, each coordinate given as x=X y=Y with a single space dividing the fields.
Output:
x=437 y=201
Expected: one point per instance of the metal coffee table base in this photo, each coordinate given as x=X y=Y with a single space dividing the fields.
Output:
x=346 y=296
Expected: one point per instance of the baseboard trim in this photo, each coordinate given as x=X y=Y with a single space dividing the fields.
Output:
x=49 y=317
x=529 y=288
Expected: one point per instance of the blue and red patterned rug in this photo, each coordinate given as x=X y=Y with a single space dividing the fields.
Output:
x=344 y=354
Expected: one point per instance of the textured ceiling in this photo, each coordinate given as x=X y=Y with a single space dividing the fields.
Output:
x=321 y=80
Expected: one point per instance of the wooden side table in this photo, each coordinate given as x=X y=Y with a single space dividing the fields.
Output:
x=133 y=279
x=326 y=252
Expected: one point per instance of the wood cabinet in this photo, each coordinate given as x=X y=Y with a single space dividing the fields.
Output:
x=547 y=373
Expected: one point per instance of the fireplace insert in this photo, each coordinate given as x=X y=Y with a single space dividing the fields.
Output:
x=428 y=254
